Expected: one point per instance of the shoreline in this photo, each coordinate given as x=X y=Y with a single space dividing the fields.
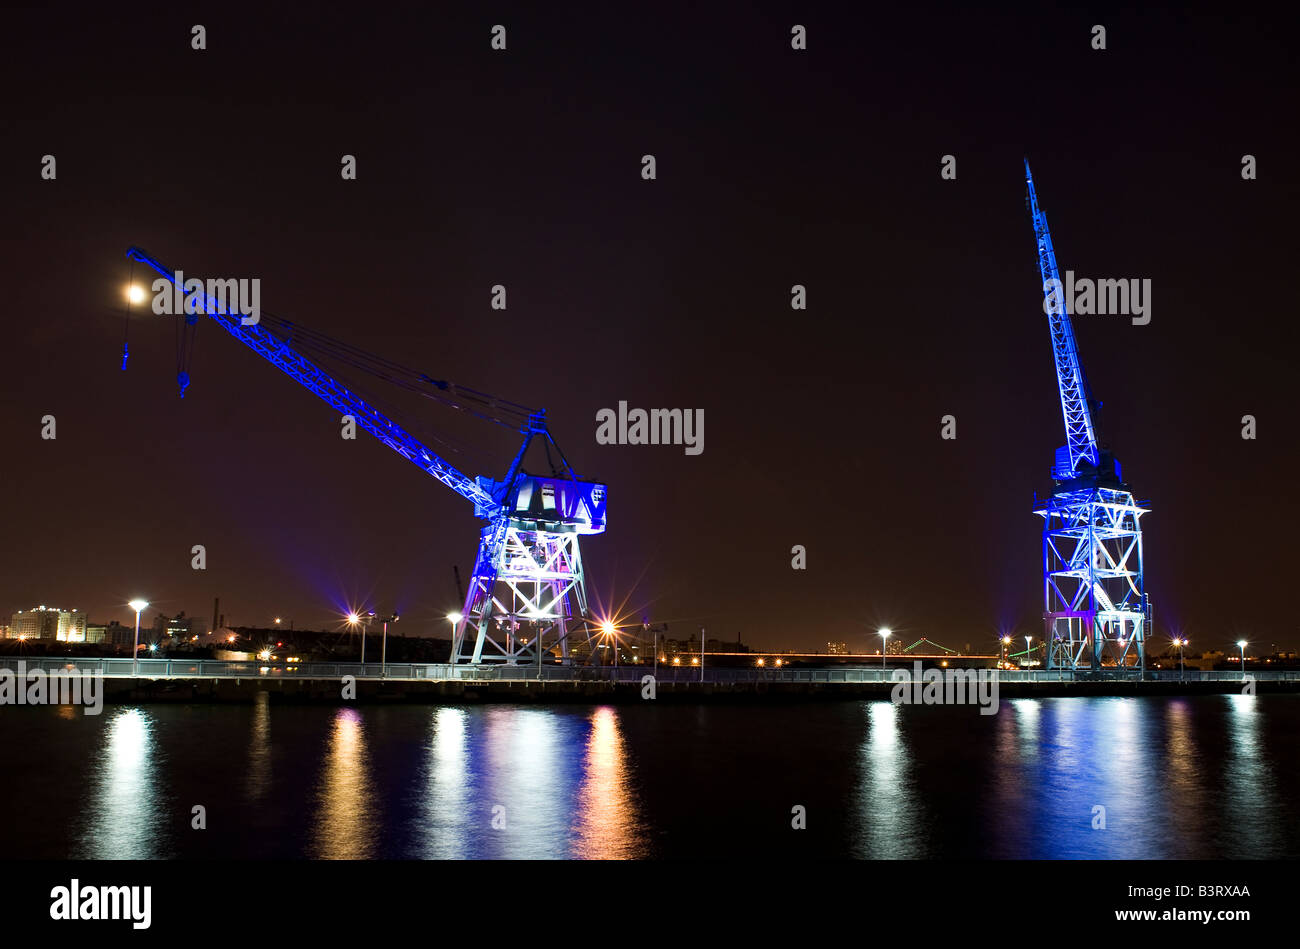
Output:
x=545 y=692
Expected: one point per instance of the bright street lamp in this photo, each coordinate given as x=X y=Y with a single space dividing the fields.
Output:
x=884 y=641
x=1028 y=639
x=139 y=606
x=355 y=619
x=1241 y=644
x=607 y=628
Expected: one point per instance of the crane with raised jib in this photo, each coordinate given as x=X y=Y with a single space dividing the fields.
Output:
x=1080 y=430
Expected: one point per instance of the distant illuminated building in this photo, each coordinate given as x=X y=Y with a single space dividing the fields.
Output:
x=178 y=627
x=837 y=649
x=43 y=622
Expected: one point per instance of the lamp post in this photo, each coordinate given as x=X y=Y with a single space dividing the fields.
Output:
x=355 y=620
x=1006 y=641
x=884 y=641
x=610 y=633
x=139 y=606
x=383 y=650
x=701 y=654
x=1028 y=640
x=1241 y=644
x=454 y=618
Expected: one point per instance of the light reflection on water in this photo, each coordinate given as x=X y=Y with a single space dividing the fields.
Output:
x=509 y=783
x=347 y=821
x=891 y=818
x=1251 y=783
x=445 y=783
x=121 y=821
x=1205 y=777
x=606 y=822
x=258 y=779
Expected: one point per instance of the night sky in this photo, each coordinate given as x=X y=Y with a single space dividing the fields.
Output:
x=775 y=167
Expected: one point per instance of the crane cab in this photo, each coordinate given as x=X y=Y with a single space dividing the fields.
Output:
x=559 y=505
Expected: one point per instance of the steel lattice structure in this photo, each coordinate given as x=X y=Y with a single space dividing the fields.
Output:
x=528 y=574
x=1095 y=606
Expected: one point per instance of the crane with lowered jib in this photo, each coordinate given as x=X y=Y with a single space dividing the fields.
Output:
x=527 y=598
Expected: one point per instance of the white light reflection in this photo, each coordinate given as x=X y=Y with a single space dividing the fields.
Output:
x=526 y=774
x=444 y=788
x=123 y=819
x=891 y=821
x=1251 y=785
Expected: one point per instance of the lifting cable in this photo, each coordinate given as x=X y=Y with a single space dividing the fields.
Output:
x=126 y=320
x=448 y=393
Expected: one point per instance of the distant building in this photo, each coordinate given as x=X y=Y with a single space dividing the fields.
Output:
x=837 y=649
x=48 y=623
x=178 y=628
x=111 y=634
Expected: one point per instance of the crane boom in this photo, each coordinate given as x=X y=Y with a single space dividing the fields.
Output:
x=279 y=353
x=1080 y=431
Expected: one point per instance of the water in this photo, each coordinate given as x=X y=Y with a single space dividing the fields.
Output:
x=1203 y=777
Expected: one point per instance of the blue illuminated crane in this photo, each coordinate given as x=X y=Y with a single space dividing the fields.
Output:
x=528 y=594
x=1095 y=607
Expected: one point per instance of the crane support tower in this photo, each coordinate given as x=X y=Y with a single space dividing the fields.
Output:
x=527 y=599
x=1095 y=607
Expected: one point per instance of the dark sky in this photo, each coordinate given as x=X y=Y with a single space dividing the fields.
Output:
x=775 y=167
